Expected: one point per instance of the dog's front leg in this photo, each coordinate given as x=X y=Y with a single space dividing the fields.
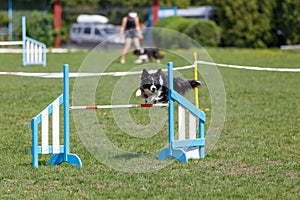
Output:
x=152 y=98
x=160 y=96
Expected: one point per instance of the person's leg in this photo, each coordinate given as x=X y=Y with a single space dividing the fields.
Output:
x=125 y=50
x=136 y=42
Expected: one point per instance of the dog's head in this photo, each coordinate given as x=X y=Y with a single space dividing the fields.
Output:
x=139 y=52
x=151 y=83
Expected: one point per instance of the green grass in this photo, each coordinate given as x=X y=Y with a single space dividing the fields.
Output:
x=257 y=155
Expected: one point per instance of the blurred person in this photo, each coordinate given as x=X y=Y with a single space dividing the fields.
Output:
x=132 y=30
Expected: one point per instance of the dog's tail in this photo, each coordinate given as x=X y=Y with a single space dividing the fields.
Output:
x=183 y=86
x=157 y=55
x=194 y=83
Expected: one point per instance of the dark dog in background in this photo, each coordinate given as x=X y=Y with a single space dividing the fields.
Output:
x=147 y=54
x=154 y=86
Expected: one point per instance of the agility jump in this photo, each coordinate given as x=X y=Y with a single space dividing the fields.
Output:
x=181 y=148
x=33 y=51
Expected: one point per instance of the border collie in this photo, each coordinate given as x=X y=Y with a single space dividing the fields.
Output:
x=147 y=54
x=154 y=86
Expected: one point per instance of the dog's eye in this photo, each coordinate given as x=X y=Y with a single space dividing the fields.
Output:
x=157 y=86
x=146 y=86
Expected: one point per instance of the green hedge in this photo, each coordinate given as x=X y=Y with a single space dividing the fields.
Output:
x=205 y=32
x=40 y=27
x=3 y=23
x=175 y=23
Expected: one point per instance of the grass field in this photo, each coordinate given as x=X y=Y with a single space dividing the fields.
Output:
x=257 y=155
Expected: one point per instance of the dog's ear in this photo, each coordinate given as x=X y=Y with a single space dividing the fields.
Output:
x=145 y=72
x=159 y=72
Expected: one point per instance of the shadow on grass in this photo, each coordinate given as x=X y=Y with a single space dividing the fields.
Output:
x=128 y=156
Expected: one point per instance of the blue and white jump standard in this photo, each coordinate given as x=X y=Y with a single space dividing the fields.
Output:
x=33 y=51
x=182 y=149
x=61 y=153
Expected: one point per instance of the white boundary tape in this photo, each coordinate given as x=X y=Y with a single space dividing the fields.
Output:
x=49 y=50
x=6 y=43
x=60 y=75
x=251 y=67
x=290 y=47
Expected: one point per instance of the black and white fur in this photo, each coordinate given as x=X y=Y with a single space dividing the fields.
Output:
x=147 y=54
x=154 y=86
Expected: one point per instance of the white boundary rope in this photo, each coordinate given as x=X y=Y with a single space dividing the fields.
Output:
x=60 y=75
x=251 y=67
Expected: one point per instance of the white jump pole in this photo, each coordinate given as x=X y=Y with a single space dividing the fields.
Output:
x=117 y=106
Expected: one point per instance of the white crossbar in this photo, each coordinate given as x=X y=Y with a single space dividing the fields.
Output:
x=191 y=152
x=27 y=51
x=40 y=52
x=55 y=127
x=192 y=126
x=181 y=123
x=45 y=128
x=34 y=52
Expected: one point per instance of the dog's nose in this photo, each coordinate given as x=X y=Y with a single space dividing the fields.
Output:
x=153 y=88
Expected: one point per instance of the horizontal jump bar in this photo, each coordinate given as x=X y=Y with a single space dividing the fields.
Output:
x=146 y=105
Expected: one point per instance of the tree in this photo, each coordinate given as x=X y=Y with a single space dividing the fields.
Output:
x=286 y=21
x=85 y=4
x=245 y=23
x=257 y=23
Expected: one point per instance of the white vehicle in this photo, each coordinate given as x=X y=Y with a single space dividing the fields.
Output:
x=94 y=29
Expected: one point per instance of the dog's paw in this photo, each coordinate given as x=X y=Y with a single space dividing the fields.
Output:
x=138 y=61
x=158 y=98
x=148 y=100
x=151 y=98
x=138 y=93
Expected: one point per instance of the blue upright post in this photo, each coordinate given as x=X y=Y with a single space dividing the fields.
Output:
x=201 y=135
x=9 y=13
x=171 y=105
x=179 y=148
x=44 y=56
x=34 y=148
x=170 y=151
x=62 y=153
x=24 y=40
x=166 y=152
x=66 y=113
x=73 y=159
